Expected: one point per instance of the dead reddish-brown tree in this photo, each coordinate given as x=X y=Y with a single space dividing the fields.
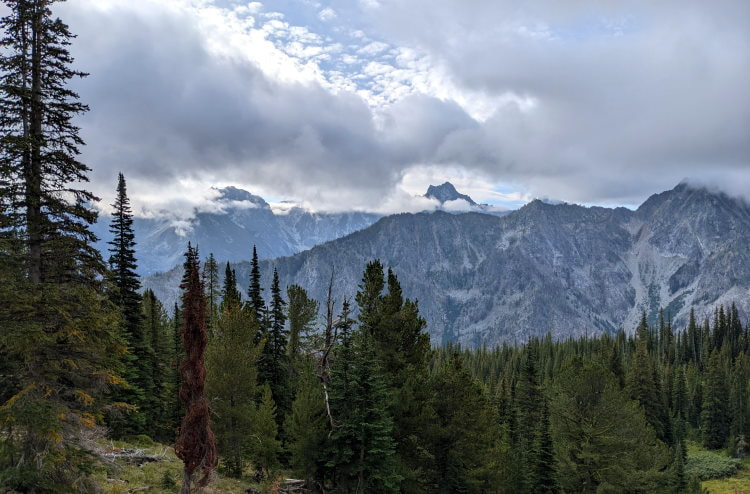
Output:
x=196 y=444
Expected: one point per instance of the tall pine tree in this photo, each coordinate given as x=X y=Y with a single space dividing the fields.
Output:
x=59 y=331
x=211 y=282
x=275 y=353
x=138 y=368
x=255 y=291
x=361 y=452
x=715 y=419
x=231 y=383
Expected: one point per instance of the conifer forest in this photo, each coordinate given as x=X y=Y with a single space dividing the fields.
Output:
x=238 y=387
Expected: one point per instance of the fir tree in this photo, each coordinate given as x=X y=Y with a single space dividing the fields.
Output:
x=715 y=415
x=543 y=478
x=739 y=406
x=211 y=282
x=679 y=480
x=59 y=331
x=643 y=388
x=528 y=398
x=264 y=445
x=178 y=355
x=230 y=296
x=122 y=259
x=403 y=350
x=138 y=362
x=158 y=330
x=361 y=448
x=307 y=428
x=466 y=432
x=40 y=145
x=231 y=384
x=196 y=444
x=275 y=352
x=302 y=312
x=254 y=291
x=602 y=439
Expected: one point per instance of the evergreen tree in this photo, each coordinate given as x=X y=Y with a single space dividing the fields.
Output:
x=361 y=450
x=138 y=362
x=275 y=353
x=643 y=332
x=211 y=282
x=679 y=480
x=403 y=350
x=302 y=312
x=715 y=415
x=466 y=430
x=254 y=291
x=544 y=477
x=178 y=355
x=615 y=365
x=264 y=446
x=196 y=443
x=230 y=296
x=122 y=260
x=59 y=331
x=740 y=406
x=158 y=330
x=231 y=384
x=41 y=144
x=307 y=428
x=602 y=440
x=528 y=398
x=643 y=388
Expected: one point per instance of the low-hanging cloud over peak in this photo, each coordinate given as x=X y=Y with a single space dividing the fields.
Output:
x=340 y=104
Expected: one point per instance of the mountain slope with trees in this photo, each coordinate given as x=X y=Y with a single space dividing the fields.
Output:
x=563 y=268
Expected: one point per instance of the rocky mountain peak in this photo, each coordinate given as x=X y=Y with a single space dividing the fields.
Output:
x=447 y=192
x=231 y=193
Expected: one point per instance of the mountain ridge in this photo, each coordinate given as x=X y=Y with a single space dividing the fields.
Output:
x=564 y=268
x=446 y=192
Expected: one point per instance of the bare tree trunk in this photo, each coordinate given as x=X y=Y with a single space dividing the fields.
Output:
x=329 y=340
x=187 y=482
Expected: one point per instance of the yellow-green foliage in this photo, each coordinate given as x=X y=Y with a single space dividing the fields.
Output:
x=160 y=477
x=709 y=465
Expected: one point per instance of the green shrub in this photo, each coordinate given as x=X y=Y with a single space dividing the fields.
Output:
x=707 y=465
x=167 y=481
x=141 y=440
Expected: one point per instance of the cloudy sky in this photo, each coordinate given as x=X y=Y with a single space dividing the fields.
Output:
x=342 y=104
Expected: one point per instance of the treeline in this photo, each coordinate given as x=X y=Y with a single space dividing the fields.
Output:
x=621 y=406
x=349 y=396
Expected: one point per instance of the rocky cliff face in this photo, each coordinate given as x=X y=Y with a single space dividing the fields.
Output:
x=566 y=269
x=447 y=192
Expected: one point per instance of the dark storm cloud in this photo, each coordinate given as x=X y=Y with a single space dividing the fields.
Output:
x=629 y=96
x=165 y=108
x=592 y=103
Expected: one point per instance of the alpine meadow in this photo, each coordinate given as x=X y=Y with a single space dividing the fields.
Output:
x=491 y=247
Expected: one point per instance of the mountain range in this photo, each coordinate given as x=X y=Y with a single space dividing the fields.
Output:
x=560 y=268
x=241 y=221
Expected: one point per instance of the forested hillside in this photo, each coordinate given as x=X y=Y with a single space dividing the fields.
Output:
x=560 y=268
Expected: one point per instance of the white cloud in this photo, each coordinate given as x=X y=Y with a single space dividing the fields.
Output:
x=589 y=102
x=327 y=14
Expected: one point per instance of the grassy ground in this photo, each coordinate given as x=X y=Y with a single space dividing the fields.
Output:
x=159 y=477
x=739 y=484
